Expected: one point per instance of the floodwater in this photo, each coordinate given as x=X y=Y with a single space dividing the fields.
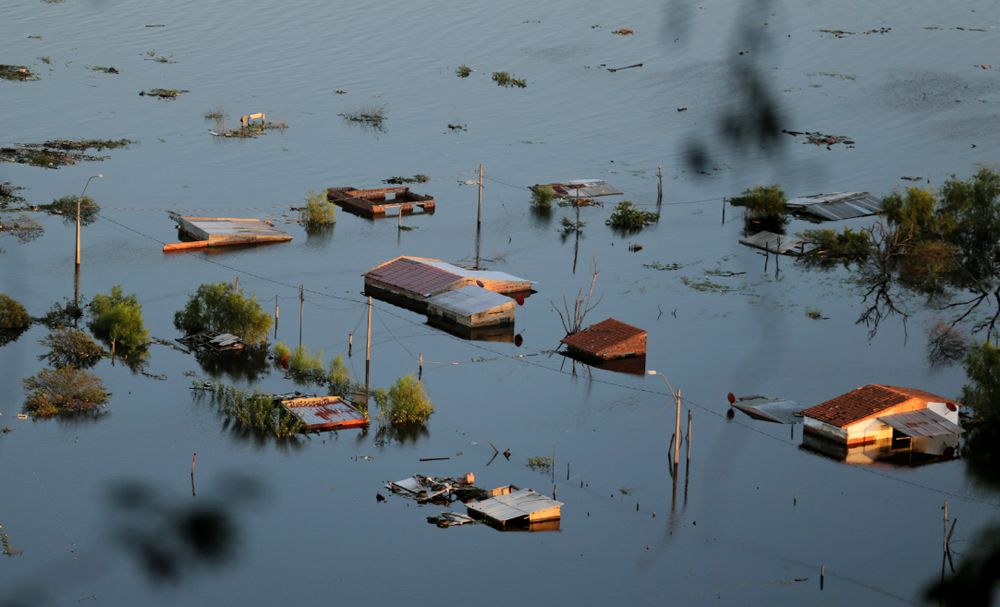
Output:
x=99 y=508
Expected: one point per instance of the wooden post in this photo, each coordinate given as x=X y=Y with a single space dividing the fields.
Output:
x=78 y=201
x=659 y=190
x=236 y=283
x=350 y=344
x=567 y=470
x=399 y=221
x=479 y=207
x=194 y=464
x=945 y=522
x=76 y=296
x=420 y=361
x=724 y=200
x=688 y=439
x=822 y=574
x=677 y=429
x=302 y=301
x=368 y=348
x=276 y=317
x=767 y=254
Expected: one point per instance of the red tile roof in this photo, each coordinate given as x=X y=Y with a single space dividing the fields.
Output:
x=412 y=275
x=865 y=402
x=605 y=334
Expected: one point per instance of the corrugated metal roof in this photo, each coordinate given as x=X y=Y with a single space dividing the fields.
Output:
x=484 y=275
x=837 y=205
x=515 y=505
x=469 y=300
x=604 y=334
x=864 y=402
x=238 y=227
x=325 y=412
x=413 y=275
x=780 y=243
x=921 y=423
x=584 y=188
x=778 y=410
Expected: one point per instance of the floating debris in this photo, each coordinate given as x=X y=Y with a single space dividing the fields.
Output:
x=59 y=152
x=163 y=93
x=512 y=507
x=776 y=410
x=507 y=80
x=623 y=31
x=378 y=202
x=23 y=227
x=778 y=243
x=373 y=116
x=418 y=178
x=212 y=342
x=18 y=73
x=817 y=138
x=103 y=70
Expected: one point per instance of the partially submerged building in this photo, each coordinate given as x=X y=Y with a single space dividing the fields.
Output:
x=379 y=202
x=886 y=417
x=202 y=232
x=326 y=412
x=581 y=188
x=512 y=507
x=835 y=206
x=609 y=339
x=472 y=306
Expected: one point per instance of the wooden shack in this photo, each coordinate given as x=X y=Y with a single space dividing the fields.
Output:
x=609 y=339
x=379 y=202
x=201 y=232
x=512 y=507
x=472 y=306
x=325 y=412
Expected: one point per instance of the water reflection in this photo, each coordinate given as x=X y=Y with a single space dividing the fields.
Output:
x=249 y=364
x=403 y=434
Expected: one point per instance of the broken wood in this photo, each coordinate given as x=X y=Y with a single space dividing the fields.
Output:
x=627 y=67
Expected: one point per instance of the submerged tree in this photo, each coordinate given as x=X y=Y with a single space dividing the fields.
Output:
x=405 y=403
x=117 y=319
x=71 y=348
x=14 y=319
x=63 y=391
x=766 y=208
x=222 y=308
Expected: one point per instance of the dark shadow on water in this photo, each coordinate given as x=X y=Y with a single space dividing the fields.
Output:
x=319 y=236
x=250 y=364
x=403 y=434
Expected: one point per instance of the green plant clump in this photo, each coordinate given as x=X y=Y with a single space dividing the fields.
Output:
x=339 y=377
x=627 y=217
x=14 y=319
x=318 y=211
x=766 y=208
x=542 y=197
x=256 y=412
x=541 y=463
x=305 y=366
x=463 y=71
x=508 y=80
x=406 y=403
x=70 y=347
x=281 y=352
x=117 y=319
x=63 y=391
x=844 y=247
x=222 y=308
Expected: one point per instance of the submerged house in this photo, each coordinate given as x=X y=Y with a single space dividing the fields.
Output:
x=609 y=339
x=203 y=232
x=889 y=417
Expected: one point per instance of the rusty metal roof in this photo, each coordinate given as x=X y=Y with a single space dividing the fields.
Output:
x=921 y=423
x=596 y=338
x=864 y=402
x=325 y=413
x=414 y=276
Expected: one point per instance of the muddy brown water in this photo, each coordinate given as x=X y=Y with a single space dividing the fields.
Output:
x=753 y=513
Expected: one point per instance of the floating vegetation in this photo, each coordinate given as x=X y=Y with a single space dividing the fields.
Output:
x=627 y=218
x=814 y=314
x=836 y=75
x=540 y=463
x=215 y=114
x=373 y=116
x=222 y=308
x=706 y=285
x=570 y=226
x=663 y=267
x=69 y=347
x=9 y=194
x=817 y=138
x=163 y=93
x=45 y=59
x=152 y=55
x=318 y=212
x=103 y=70
x=508 y=80
x=59 y=152
x=463 y=71
x=402 y=180
x=255 y=412
x=23 y=227
x=67 y=206
x=17 y=72
x=14 y=319
x=64 y=391
x=458 y=127
x=339 y=377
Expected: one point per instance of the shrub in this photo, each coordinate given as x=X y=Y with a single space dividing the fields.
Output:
x=406 y=403
x=627 y=217
x=306 y=366
x=339 y=377
x=766 y=208
x=832 y=246
x=66 y=206
x=117 y=319
x=541 y=463
x=71 y=348
x=222 y=308
x=318 y=211
x=64 y=391
x=542 y=197
x=463 y=71
x=508 y=80
x=14 y=319
x=281 y=352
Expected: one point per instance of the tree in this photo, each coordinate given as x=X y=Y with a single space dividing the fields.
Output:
x=117 y=319
x=71 y=348
x=222 y=308
x=66 y=206
x=63 y=391
x=407 y=402
x=14 y=319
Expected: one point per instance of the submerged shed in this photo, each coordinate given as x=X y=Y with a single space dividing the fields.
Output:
x=777 y=243
x=511 y=506
x=582 y=188
x=607 y=340
x=326 y=412
x=472 y=306
x=379 y=202
x=836 y=206
x=201 y=232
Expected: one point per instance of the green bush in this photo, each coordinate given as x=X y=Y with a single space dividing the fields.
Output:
x=406 y=403
x=306 y=366
x=117 y=319
x=63 y=391
x=71 y=348
x=627 y=217
x=14 y=319
x=463 y=71
x=766 y=208
x=281 y=351
x=222 y=308
x=339 y=377
x=318 y=211
x=508 y=80
x=843 y=247
x=542 y=197
x=66 y=206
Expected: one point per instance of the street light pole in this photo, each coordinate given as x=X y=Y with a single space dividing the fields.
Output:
x=78 y=201
x=677 y=418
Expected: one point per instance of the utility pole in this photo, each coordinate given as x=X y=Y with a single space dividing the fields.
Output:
x=79 y=201
x=368 y=350
x=275 y=317
x=302 y=301
x=677 y=430
x=479 y=208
